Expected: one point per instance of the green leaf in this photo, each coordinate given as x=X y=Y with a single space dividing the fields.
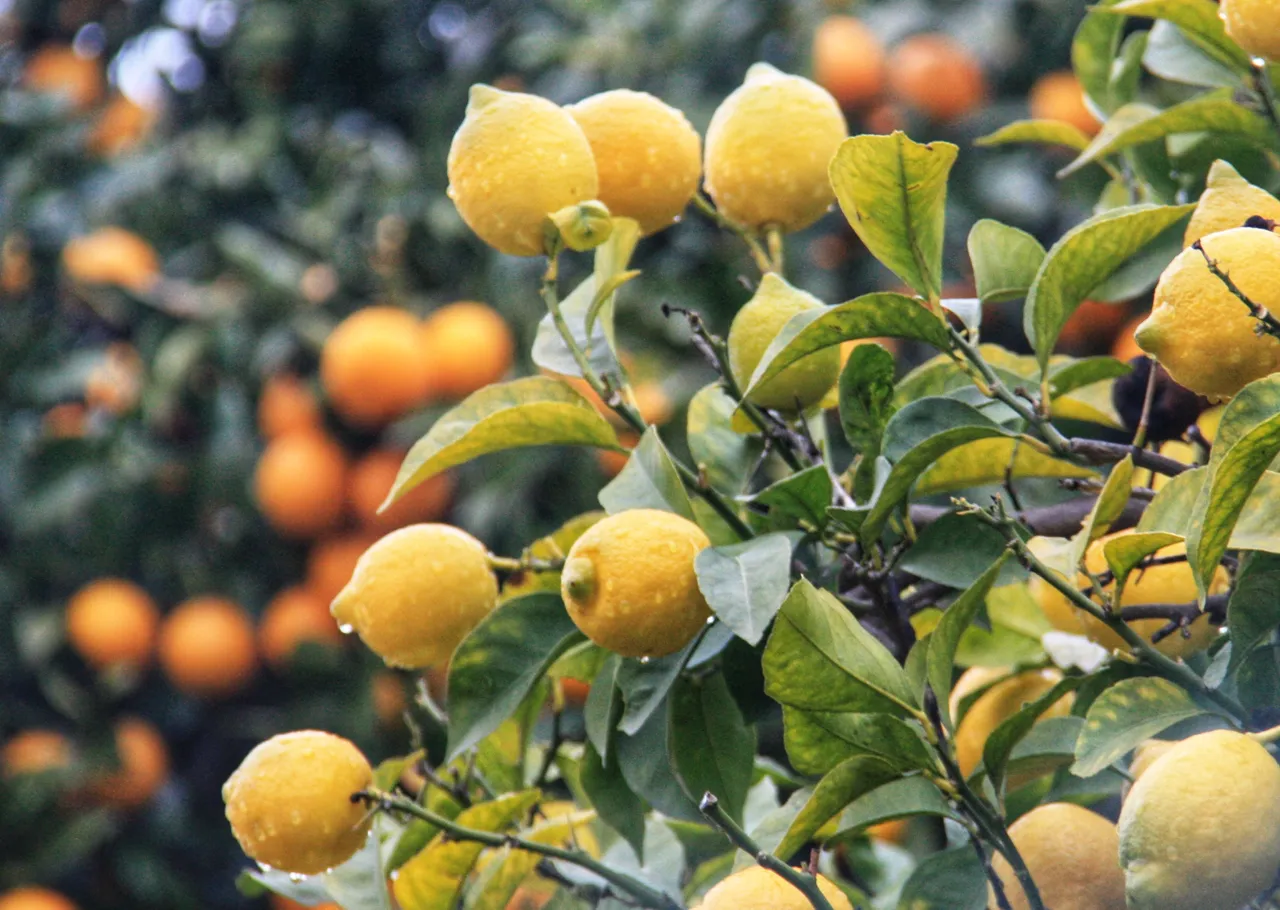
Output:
x=949 y=880
x=603 y=707
x=819 y=658
x=502 y=659
x=1197 y=20
x=1003 y=739
x=866 y=398
x=1124 y=715
x=1170 y=511
x=838 y=788
x=953 y=549
x=746 y=583
x=817 y=741
x=648 y=480
x=644 y=685
x=646 y=763
x=1124 y=553
x=713 y=749
x=494 y=887
x=614 y=801
x=804 y=496
x=723 y=454
x=419 y=832
x=1044 y=132
x=1048 y=746
x=533 y=411
x=1142 y=271
x=1253 y=613
x=946 y=635
x=663 y=865
x=1093 y=51
x=1126 y=72
x=987 y=461
x=1074 y=374
x=893 y=192
x=1005 y=260
x=897 y=799
x=1106 y=509
x=1078 y=262
x=1173 y=56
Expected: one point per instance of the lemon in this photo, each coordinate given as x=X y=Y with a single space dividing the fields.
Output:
x=516 y=159
x=806 y=381
x=648 y=156
x=1146 y=754
x=289 y=802
x=1071 y=855
x=629 y=583
x=1201 y=829
x=417 y=592
x=996 y=705
x=1228 y=201
x=768 y=147
x=1201 y=332
x=1171 y=583
x=757 y=888
x=1254 y=25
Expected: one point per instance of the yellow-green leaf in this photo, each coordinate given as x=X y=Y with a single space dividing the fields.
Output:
x=990 y=461
x=1045 y=132
x=510 y=866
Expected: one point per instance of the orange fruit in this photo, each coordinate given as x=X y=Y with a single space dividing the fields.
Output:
x=611 y=463
x=68 y=420
x=575 y=691
x=1124 y=347
x=143 y=768
x=35 y=750
x=32 y=898
x=884 y=118
x=280 y=902
x=1058 y=96
x=372 y=366
x=389 y=699
x=121 y=126
x=466 y=346
x=15 y=264
x=332 y=562
x=848 y=60
x=300 y=483
x=1093 y=324
x=293 y=616
x=112 y=255
x=115 y=382
x=893 y=831
x=370 y=481
x=207 y=647
x=57 y=69
x=112 y=623
x=286 y=405
x=936 y=76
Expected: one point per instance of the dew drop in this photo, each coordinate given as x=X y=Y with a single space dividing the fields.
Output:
x=264 y=867
x=296 y=877
x=346 y=628
x=710 y=620
x=645 y=659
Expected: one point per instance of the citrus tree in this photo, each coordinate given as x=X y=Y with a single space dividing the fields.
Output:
x=988 y=594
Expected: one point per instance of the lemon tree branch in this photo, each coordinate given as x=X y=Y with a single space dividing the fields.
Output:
x=1266 y=321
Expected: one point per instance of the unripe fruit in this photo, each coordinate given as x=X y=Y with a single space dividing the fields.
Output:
x=1228 y=201
x=768 y=148
x=1254 y=25
x=757 y=888
x=1071 y=855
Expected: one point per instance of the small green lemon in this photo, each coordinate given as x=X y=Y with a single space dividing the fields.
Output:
x=1228 y=201
x=1200 y=830
x=1071 y=855
x=289 y=802
x=629 y=584
x=757 y=888
x=800 y=385
x=1254 y=25
x=417 y=593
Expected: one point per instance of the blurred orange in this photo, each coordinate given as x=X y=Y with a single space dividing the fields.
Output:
x=535 y=894
x=652 y=401
x=1058 y=96
x=293 y=616
x=1125 y=348
x=936 y=76
x=286 y=405
x=143 y=769
x=884 y=118
x=370 y=481
x=57 y=69
x=846 y=347
x=207 y=647
x=467 y=345
x=68 y=420
x=893 y=831
x=32 y=898
x=112 y=255
x=1093 y=324
x=15 y=264
x=848 y=60
x=611 y=463
x=389 y=699
x=280 y=902
x=332 y=562
x=372 y=366
x=115 y=382
x=35 y=750
x=121 y=126
x=112 y=624
x=575 y=691
x=300 y=483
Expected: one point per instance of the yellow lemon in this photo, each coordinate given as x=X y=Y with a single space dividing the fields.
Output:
x=1146 y=754
x=1201 y=332
x=1201 y=829
x=768 y=147
x=629 y=583
x=647 y=155
x=805 y=382
x=1171 y=583
x=1228 y=201
x=996 y=705
x=289 y=802
x=1254 y=25
x=516 y=159
x=1071 y=855
x=417 y=592
x=757 y=888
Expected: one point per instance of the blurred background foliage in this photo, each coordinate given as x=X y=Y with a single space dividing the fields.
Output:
x=194 y=193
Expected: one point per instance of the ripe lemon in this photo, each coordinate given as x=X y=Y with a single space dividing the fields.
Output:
x=372 y=366
x=1058 y=96
x=417 y=592
x=996 y=705
x=1201 y=332
x=207 y=647
x=1146 y=754
x=1228 y=201
x=289 y=802
x=515 y=159
x=466 y=345
x=300 y=483
x=33 y=898
x=1201 y=829
x=756 y=888
x=112 y=255
x=112 y=623
x=34 y=751
x=293 y=616
x=629 y=583
x=1254 y=25
x=936 y=76
x=143 y=766
x=799 y=386
x=848 y=60
x=648 y=156
x=768 y=147
x=1071 y=855
x=1170 y=583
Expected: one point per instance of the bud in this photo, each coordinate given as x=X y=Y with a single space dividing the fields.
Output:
x=582 y=226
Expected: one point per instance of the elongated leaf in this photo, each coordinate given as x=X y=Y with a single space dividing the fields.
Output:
x=646 y=763
x=613 y=799
x=644 y=685
x=1003 y=739
x=508 y=867
x=988 y=461
x=1005 y=260
x=712 y=746
x=723 y=454
x=866 y=397
x=946 y=635
x=648 y=480
x=1124 y=715
x=1074 y=374
x=948 y=880
x=1093 y=51
x=1254 y=610
x=1123 y=554
x=817 y=741
x=533 y=411
x=840 y=787
x=803 y=496
x=745 y=584
x=896 y=799
x=359 y=882
x=893 y=192
x=1078 y=262
x=1042 y=132
x=955 y=550
x=1198 y=20
x=1106 y=509
x=1049 y=745
x=1172 y=55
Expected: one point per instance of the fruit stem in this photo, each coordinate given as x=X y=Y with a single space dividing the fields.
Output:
x=1266 y=736
x=645 y=895
x=803 y=881
x=777 y=253
x=763 y=262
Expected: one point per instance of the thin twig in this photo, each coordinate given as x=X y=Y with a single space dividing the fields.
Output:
x=748 y=236
x=1140 y=437
x=1267 y=323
